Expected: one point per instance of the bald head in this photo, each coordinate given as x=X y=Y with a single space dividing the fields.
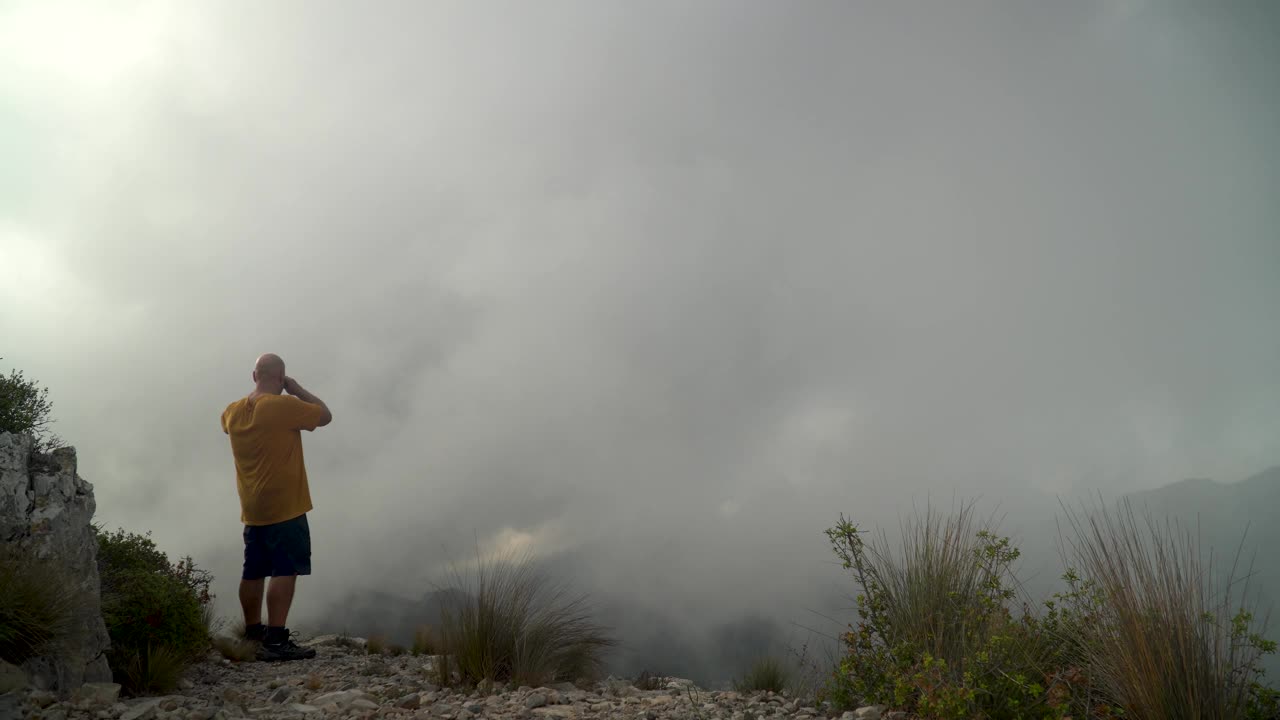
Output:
x=268 y=373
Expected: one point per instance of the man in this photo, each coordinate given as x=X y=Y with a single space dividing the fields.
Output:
x=266 y=440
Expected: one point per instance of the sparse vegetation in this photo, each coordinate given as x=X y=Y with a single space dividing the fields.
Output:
x=25 y=407
x=766 y=674
x=424 y=641
x=647 y=681
x=155 y=611
x=510 y=622
x=235 y=644
x=1168 y=635
x=376 y=645
x=152 y=668
x=37 y=605
x=1135 y=634
x=396 y=650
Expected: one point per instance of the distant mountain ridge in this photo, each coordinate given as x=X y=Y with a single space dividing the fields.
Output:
x=1226 y=513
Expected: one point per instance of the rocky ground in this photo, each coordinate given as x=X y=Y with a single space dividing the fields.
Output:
x=344 y=681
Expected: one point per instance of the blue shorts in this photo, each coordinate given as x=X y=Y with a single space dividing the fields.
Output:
x=277 y=550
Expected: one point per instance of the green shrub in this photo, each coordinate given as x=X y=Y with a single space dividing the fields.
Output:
x=37 y=605
x=156 y=613
x=511 y=623
x=935 y=631
x=1142 y=631
x=766 y=674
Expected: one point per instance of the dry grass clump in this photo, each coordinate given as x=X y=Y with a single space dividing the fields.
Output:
x=1171 y=635
x=425 y=641
x=766 y=674
x=37 y=605
x=154 y=669
x=511 y=623
x=234 y=645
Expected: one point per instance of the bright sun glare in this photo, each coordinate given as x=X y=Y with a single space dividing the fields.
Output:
x=84 y=47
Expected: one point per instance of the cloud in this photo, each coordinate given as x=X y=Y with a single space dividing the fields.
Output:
x=664 y=288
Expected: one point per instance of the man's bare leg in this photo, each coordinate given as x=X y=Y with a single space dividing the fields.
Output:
x=251 y=601
x=279 y=598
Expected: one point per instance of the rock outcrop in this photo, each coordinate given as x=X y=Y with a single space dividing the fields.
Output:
x=45 y=513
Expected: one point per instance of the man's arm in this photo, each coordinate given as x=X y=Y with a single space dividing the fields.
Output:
x=292 y=387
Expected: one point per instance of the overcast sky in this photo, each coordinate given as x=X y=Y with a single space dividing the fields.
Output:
x=663 y=285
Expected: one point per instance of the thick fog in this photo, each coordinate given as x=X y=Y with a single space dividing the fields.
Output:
x=651 y=290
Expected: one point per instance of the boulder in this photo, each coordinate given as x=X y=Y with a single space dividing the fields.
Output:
x=45 y=513
x=96 y=694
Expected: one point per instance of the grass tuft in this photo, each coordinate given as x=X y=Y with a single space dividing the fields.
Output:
x=425 y=641
x=1171 y=635
x=510 y=622
x=37 y=605
x=766 y=674
x=154 y=669
x=236 y=647
x=376 y=645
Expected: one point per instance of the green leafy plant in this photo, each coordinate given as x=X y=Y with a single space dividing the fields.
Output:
x=508 y=621
x=25 y=407
x=935 y=629
x=1144 y=628
x=155 y=612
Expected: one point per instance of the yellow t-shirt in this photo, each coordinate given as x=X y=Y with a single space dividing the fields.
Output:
x=266 y=441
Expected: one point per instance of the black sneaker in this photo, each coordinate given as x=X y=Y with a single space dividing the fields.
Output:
x=280 y=647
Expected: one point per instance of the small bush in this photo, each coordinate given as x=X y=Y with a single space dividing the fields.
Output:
x=511 y=623
x=935 y=632
x=766 y=674
x=25 y=407
x=37 y=605
x=396 y=649
x=376 y=645
x=155 y=612
x=647 y=681
x=1141 y=631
